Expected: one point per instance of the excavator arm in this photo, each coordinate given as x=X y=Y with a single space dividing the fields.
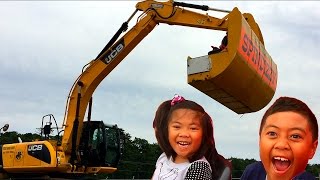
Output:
x=245 y=42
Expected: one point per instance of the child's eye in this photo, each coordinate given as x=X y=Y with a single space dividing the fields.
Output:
x=194 y=128
x=272 y=134
x=176 y=126
x=296 y=136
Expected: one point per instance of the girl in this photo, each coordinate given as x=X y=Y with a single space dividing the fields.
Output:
x=184 y=132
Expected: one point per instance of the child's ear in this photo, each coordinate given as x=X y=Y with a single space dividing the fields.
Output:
x=313 y=149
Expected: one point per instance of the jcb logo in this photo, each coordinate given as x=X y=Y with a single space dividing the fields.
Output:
x=35 y=147
x=110 y=55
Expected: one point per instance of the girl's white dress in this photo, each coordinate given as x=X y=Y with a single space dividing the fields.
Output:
x=166 y=169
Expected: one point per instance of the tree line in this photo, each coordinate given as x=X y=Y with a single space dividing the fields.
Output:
x=139 y=157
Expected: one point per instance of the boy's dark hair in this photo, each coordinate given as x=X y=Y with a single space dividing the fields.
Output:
x=285 y=104
x=207 y=147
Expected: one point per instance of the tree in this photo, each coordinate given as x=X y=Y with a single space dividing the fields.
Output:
x=238 y=165
x=138 y=159
x=9 y=137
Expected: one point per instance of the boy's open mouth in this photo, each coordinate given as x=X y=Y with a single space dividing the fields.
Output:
x=281 y=164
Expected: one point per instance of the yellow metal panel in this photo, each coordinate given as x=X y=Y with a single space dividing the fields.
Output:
x=8 y=151
x=17 y=157
x=19 y=154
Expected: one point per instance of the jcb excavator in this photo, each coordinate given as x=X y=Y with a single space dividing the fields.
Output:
x=242 y=77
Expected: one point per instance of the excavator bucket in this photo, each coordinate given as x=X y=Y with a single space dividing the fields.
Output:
x=242 y=77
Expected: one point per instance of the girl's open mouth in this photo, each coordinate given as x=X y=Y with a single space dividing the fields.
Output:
x=183 y=143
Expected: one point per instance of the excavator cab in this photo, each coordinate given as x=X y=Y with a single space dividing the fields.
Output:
x=100 y=144
x=243 y=76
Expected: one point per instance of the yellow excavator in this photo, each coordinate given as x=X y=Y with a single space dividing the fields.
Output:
x=242 y=77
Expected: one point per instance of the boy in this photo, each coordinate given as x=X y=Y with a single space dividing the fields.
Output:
x=288 y=139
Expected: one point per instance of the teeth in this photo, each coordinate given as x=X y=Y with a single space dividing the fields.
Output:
x=281 y=159
x=183 y=143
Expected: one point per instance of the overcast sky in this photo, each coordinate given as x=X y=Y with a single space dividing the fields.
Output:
x=44 y=45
